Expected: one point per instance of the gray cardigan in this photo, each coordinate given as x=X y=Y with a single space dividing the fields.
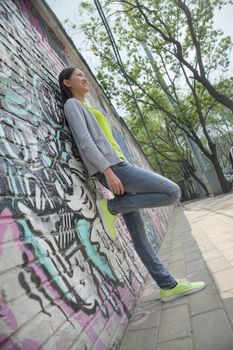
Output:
x=96 y=151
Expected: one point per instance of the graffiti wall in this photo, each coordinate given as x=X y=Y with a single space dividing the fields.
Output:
x=64 y=283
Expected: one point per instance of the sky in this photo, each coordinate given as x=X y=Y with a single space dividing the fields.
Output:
x=69 y=9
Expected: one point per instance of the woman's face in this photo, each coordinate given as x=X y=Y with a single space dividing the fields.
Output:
x=77 y=82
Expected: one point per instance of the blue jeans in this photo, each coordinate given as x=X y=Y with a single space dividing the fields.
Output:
x=143 y=189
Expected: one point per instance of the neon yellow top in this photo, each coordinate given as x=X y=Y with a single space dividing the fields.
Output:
x=105 y=125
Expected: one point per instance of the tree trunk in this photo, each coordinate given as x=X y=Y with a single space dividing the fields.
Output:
x=191 y=171
x=224 y=183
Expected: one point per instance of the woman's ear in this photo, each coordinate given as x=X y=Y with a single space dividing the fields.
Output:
x=66 y=83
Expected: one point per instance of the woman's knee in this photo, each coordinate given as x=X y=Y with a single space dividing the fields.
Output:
x=176 y=194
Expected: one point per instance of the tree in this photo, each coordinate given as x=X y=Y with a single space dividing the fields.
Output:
x=171 y=147
x=186 y=50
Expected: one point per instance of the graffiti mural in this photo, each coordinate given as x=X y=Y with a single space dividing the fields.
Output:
x=60 y=272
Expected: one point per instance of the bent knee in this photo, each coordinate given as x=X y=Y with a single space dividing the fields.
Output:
x=176 y=194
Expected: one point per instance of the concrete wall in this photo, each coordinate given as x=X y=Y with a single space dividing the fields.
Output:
x=64 y=284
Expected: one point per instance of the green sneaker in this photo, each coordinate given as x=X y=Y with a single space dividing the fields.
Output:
x=108 y=219
x=183 y=287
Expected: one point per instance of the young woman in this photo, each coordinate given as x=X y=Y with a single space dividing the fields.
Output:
x=134 y=188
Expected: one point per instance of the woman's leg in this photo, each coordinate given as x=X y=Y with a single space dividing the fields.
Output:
x=166 y=192
x=143 y=189
x=146 y=251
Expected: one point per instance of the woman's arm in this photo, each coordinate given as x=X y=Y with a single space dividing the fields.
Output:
x=83 y=139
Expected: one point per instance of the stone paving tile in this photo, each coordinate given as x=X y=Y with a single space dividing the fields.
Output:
x=146 y=315
x=164 y=249
x=190 y=250
x=211 y=331
x=205 y=246
x=177 y=244
x=218 y=264
x=143 y=339
x=177 y=254
x=227 y=299
x=176 y=302
x=224 y=279
x=196 y=255
x=223 y=244
x=177 y=265
x=163 y=255
x=188 y=243
x=178 y=344
x=211 y=254
x=228 y=253
x=174 y=323
x=195 y=265
x=178 y=271
x=175 y=259
x=177 y=251
x=206 y=300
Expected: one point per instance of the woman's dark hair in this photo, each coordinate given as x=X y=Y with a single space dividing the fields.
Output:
x=65 y=91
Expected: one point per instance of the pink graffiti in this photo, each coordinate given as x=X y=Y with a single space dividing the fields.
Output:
x=6 y=220
x=7 y=315
x=9 y=344
x=156 y=222
x=25 y=7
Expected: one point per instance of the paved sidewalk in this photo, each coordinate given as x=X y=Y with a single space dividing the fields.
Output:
x=198 y=246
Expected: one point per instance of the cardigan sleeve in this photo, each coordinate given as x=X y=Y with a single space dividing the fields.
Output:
x=81 y=135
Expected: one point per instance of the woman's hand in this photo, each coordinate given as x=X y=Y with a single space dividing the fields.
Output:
x=114 y=183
